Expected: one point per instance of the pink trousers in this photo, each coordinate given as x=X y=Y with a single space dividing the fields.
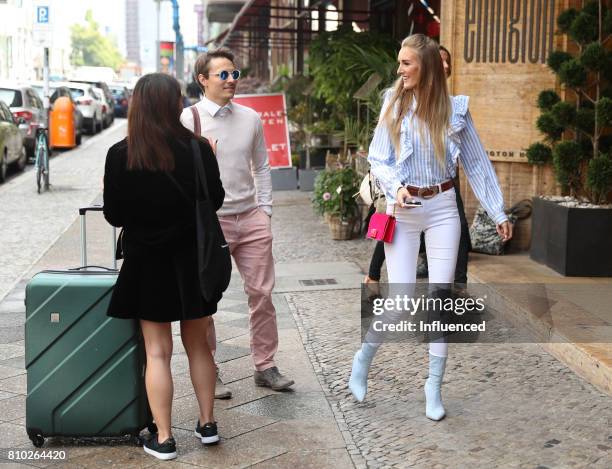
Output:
x=249 y=236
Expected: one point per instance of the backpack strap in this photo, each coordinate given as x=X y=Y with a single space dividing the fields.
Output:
x=197 y=127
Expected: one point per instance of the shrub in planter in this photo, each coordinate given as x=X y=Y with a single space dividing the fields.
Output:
x=333 y=198
x=571 y=235
x=575 y=130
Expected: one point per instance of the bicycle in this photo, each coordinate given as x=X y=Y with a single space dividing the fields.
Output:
x=41 y=165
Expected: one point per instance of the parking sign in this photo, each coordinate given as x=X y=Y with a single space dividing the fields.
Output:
x=42 y=14
x=42 y=24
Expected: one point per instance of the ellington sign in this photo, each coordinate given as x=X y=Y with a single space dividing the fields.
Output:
x=514 y=31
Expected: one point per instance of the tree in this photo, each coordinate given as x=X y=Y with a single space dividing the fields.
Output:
x=583 y=162
x=91 y=47
x=341 y=62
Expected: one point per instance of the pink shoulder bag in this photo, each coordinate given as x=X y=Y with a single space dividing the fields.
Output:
x=382 y=227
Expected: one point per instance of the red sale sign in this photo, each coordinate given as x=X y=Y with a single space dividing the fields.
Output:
x=273 y=112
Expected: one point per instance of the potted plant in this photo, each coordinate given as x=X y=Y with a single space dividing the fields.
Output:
x=572 y=234
x=333 y=197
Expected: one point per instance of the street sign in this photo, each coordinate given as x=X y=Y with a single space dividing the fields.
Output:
x=42 y=14
x=42 y=30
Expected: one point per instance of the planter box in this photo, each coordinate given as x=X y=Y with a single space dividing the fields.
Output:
x=306 y=179
x=317 y=158
x=575 y=242
x=284 y=179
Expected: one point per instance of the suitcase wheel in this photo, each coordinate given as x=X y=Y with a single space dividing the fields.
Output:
x=137 y=440
x=152 y=428
x=37 y=440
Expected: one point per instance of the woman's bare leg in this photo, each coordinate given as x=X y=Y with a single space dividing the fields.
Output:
x=158 y=377
x=201 y=364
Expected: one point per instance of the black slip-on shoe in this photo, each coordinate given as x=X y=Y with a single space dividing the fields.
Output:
x=207 y=433
x=164 y=451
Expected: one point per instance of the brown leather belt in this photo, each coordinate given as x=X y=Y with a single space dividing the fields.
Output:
x=429 y=192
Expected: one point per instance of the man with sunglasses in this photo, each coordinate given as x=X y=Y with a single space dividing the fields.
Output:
x=236 y=133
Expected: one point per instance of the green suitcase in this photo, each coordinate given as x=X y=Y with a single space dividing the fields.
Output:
x=85 y=370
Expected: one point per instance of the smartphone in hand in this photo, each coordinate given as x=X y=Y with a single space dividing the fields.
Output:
x=412 y=204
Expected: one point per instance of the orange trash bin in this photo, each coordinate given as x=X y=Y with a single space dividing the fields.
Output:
x=61 y=124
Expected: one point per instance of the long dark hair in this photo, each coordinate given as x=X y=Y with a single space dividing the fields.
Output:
x=153 y=121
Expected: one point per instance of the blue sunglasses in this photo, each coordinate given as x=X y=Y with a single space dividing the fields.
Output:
x=224 y=75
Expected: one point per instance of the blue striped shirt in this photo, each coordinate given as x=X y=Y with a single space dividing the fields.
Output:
x=418 y=166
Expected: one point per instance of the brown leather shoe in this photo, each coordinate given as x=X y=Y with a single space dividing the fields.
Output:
x=271 y=378
x=221 y=390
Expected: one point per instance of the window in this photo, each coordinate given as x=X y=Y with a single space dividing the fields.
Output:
x=33 y=99
x=11 y=97
x=5 y=113
x=77 y=93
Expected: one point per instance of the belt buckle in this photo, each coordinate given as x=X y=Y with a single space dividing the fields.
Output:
x=421 y=192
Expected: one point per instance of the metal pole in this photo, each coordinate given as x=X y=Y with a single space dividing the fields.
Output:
x=158 y=58
x=179 y=59
x=83 y=241
x=46 y=78
x=114 y=247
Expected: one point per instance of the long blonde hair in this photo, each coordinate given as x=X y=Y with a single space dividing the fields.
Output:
x=433 y=107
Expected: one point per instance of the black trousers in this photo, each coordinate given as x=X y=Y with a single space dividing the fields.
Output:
x=378 y=257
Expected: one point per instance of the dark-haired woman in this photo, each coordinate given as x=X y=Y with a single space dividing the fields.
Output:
x=149 y=190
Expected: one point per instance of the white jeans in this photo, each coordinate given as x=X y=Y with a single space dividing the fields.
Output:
x=438 y=218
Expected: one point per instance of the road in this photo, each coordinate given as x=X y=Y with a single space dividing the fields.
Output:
x=30 y=222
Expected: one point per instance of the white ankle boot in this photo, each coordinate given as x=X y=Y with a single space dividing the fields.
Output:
x=358 y=382
x=434 y=408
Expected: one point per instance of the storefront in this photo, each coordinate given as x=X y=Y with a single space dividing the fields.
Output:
x=499 y=50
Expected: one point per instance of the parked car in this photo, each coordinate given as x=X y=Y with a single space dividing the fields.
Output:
x=12 y=150
x=108 y=114
x=77 y=115
x=122 y=99
x=107 y=94
x=89 y=104
x=27 y=108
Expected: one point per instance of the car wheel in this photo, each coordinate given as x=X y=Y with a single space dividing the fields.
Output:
x=94 y=125
x=22 y=160
x=3 y=166
x=79 y=136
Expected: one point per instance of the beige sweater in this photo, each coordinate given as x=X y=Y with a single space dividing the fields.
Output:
x=241 y=154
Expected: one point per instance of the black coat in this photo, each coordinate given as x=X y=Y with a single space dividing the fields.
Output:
x=158 y=280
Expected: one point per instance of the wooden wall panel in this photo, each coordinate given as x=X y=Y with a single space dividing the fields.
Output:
x=503 y=83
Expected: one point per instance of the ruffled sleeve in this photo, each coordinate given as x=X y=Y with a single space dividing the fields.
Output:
x=465 y=144
x=457 y=124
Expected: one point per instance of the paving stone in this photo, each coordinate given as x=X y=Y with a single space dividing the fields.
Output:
x=226 y=352
x=289 y=406
x=16 y=384
x=336 y=458
x=11 y=334
x=514 y=392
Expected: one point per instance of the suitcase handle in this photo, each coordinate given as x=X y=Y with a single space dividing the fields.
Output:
x=82 y=212
x=85 y=267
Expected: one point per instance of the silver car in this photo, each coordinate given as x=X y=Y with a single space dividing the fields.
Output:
x=11 y=142
x=27 y=108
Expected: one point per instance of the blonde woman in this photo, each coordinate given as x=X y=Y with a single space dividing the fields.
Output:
x=421 y=134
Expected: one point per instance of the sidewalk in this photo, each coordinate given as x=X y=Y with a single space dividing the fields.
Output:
x=508 y=405
x=577 y=317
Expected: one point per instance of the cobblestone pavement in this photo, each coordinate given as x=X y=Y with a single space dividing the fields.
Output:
x=508 y=405
x=31 y=223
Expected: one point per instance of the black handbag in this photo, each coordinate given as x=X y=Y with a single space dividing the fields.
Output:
x=214 y=260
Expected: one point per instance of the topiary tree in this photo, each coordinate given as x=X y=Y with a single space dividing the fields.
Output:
x=576 y=132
